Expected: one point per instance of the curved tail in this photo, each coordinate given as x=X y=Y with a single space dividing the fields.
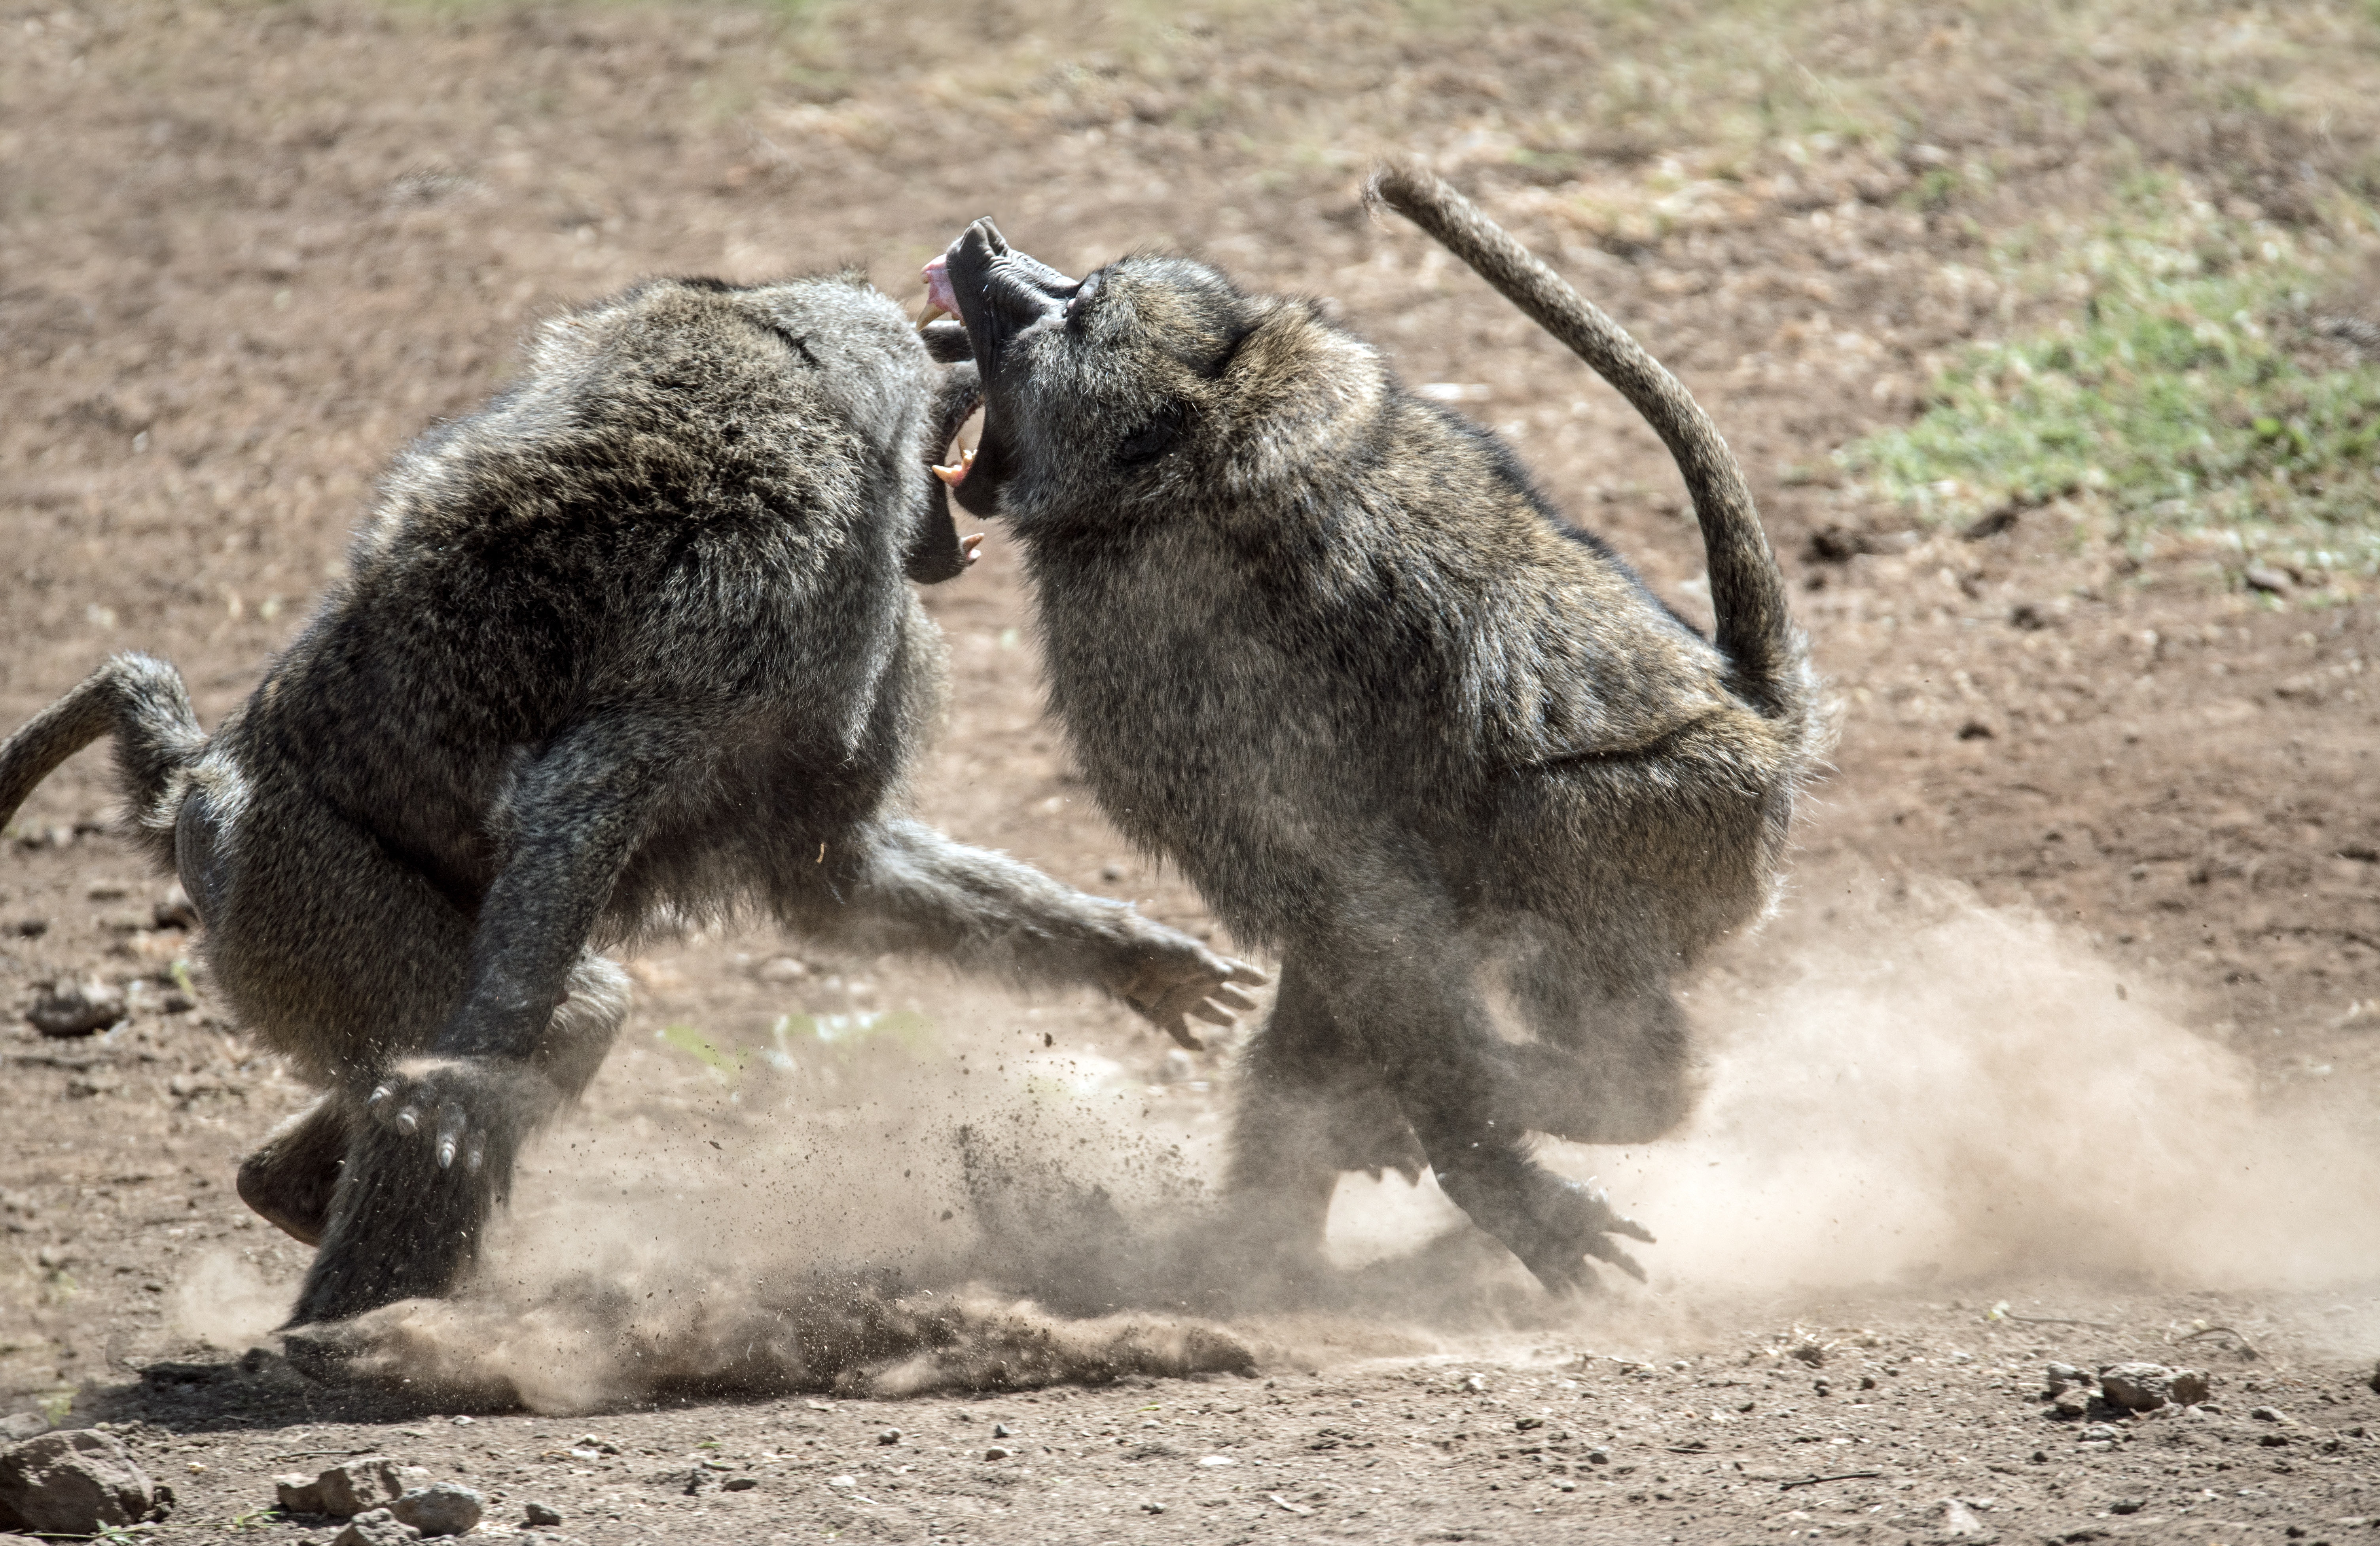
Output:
x=1747 y=590
x=143 y=702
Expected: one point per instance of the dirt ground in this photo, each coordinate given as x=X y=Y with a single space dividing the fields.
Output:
x=246 y=250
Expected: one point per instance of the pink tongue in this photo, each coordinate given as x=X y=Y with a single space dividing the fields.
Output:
x=938 y=286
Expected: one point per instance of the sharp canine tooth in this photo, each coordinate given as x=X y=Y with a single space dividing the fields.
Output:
x=967 y=457
x=930 y=316
x=952 y=475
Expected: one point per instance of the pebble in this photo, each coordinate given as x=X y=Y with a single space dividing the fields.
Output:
x=996 y=1452
x=2136 y=1387
x=2072 y=1403
x=2063 y=1377
x=444 y=1508
x=783 y=968
x=1152 y=1508
x=890 y=1436
x=375 y=1526
x=535 y=1513
x=76 y=1009
x=78 y=1482
x=1000 y=1430
x=2267 y=1414
x=349 y=1488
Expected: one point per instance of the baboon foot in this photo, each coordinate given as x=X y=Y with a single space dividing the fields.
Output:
x=1550 y=1222
x=402 y=1226
x=290 y=1180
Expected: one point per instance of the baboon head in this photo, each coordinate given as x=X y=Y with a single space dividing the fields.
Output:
x=1151 y=386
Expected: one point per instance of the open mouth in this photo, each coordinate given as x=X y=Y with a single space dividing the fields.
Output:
x=996 y=293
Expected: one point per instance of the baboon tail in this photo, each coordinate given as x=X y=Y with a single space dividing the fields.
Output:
x=1747 y=590
x=140 y=701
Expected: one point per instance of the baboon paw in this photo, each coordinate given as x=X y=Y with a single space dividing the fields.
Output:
x=1172 y=979
x=461 y=1105
x=1582 y=1223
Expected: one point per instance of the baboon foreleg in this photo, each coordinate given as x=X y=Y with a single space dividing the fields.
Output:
x=899 y=886
x=1612 y=1061
x=290 y=1179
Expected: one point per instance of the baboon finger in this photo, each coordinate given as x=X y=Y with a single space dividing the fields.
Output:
x=1211 y=1015
x=1240 y=971
x=1179 y=1028
x=1604 y=1251
x=409 y=1121
x=477 y=1153
x=1234 y=997
x=452 y=1122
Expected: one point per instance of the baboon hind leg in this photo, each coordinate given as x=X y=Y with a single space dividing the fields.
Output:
x=289 y=1180
x=1612 y=1060
x=1311 y=1106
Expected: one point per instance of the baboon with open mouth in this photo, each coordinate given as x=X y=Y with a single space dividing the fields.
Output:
x=1328 y=647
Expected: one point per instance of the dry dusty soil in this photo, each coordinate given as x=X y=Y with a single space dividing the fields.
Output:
x=247 y=250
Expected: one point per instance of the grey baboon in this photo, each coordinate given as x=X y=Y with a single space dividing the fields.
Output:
x=1328 y=647
x=629 y=646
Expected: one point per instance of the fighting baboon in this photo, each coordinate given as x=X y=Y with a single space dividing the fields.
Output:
x=628 y=646
x=1328 y=647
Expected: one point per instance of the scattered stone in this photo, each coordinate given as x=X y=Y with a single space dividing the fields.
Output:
x=1959 y=1519
x=2267 y=1414
x=739 y=1484
x=1822 y=1387
x=18 y=1426
x=31 y=928
x=1152 y=1508
x=2188 y=1387
x=1598 y=1457
x=375 y=1526
x=783 y=968
x=76 y=1008
x=996 y=1452
x=1000 y=1430
x=2072 y=1403
x=2272 y=582
x=443 y=1508
x=890 y=1436
x=2065 y=1377
x=1812 y=1353
x=2136 y=1387
x=2098 y=1433
x=349 y=1488
x=1975 y=730
x=78 y=1482
x=2127 y=1505
x=534 y=1513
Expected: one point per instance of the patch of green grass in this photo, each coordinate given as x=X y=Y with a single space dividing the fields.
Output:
x=2185 y=393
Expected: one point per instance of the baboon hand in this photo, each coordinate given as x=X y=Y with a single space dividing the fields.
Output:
x=463 y=1105
x=1171 y=978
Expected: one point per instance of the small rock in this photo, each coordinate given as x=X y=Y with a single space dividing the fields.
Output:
x=2188 y=1387
x=996 y=1453
x=375 y=1526
x=534 y=1513
x=2136 y=1387
x=78 y=1482
x=1822 y=1387
x=443 y=1508
x=1521 y=1425
x=31 y=928
x=783 y=968
x=76 y=1009
x=2127 y=1505
x=1975 y=730
x=349 y=1488
x=2097 y=1433
x=739 y=1484
x=1152 y=1508
x=107 y=891
x=2267 y=1414
x=1000 y=1430
x=2272 y=582
x=2064 y=1377
x=2072 y=1403
x=1598 y=1457
x=1959 y=1519
x=173 y=909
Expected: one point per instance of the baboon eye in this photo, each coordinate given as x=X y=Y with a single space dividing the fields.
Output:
x=1085 y=293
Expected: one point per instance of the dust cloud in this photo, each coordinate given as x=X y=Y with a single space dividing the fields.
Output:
x=1902 y=1087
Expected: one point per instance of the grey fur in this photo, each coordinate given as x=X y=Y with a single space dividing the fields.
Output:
x=627 y=647
x=1325 y=645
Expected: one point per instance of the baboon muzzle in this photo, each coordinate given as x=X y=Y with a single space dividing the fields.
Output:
x=996 y=292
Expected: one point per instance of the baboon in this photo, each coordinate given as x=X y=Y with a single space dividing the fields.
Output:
x=1328 y=647
x=627 y=647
